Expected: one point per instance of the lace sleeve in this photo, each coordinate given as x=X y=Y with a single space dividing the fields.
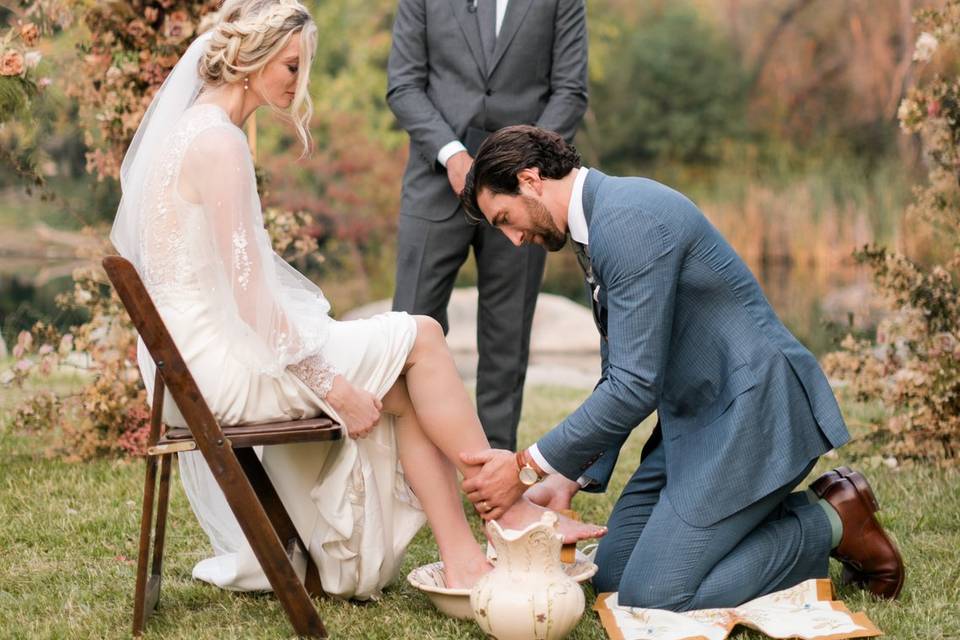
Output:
x=316 y=373
x=275 y=315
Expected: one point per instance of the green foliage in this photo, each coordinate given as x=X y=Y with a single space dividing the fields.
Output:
x=676 y=94
x=15 y=94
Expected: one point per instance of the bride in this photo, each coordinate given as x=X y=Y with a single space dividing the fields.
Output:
x=258 y=339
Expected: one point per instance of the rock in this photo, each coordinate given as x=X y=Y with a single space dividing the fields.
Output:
x=564 y=343
x=560 y=326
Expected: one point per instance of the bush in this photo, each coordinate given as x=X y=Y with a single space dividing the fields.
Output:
x=913 y=365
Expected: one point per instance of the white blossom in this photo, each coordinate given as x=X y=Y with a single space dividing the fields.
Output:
x=925 y=47
x=32 y=59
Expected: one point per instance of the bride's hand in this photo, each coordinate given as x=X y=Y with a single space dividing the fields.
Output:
x=359 y=410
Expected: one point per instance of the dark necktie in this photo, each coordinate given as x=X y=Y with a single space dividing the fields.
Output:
x=599 y=313
x=487 y=17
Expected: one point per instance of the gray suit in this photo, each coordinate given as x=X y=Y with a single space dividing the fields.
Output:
x=744 y=411
x=443 y=86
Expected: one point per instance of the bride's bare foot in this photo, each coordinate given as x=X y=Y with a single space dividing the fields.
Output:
x=555 y=492
x=463 y=573
x=525 y=512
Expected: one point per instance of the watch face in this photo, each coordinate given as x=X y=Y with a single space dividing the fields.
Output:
x=528 y=476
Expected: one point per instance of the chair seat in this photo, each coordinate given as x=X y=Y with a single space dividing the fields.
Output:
x=249 y=435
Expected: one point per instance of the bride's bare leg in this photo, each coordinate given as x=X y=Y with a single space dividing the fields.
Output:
x=434 y=480
x=448 y=420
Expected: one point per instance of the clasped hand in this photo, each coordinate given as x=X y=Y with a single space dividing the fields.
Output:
x=496 y=487
x=458 y=165
x=358 y=409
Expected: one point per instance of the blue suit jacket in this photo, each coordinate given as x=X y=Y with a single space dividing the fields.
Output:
x=743 y=406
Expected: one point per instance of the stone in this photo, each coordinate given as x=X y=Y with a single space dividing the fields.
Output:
x=564 y=343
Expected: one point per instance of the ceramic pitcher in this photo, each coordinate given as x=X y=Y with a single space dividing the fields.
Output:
x=527 y=596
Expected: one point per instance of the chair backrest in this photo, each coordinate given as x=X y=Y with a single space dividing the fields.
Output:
x=170 y=365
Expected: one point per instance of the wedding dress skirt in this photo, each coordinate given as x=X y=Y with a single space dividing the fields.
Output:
x=348 y=499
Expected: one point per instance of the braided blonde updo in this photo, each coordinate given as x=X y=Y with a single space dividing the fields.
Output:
x=248 y=34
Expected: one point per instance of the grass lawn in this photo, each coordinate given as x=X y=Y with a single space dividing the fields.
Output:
x=68 y=540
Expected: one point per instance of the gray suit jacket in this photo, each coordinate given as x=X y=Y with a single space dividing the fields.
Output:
x=439 y=82
x=743 y=406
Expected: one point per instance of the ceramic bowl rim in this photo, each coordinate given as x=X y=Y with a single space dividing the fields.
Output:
x=588 y=572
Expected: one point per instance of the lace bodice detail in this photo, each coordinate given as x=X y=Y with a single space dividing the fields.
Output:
x=217 y=254
x=166 y=269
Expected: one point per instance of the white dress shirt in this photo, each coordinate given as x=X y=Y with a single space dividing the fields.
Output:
x=453 y=147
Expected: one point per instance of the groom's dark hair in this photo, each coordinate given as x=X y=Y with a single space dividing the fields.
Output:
x=508 y=152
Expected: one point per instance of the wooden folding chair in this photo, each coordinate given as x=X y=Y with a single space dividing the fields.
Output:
x=227 y=450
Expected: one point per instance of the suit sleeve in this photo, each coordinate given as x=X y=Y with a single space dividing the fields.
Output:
x=568 y=72
x=598 y=475
x=407 y=72
x=640 y=269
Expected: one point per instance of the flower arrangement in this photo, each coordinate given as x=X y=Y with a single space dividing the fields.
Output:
x=133 y=45
x=21 y=83
x=108 y=414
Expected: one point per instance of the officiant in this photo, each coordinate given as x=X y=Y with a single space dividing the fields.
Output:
x=458 y=71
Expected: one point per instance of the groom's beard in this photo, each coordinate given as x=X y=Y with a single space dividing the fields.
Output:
x=542 y=225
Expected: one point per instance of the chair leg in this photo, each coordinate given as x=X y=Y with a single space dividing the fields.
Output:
x=163 y=500
x=140 y=612
x=264 y=539
x=279 y=517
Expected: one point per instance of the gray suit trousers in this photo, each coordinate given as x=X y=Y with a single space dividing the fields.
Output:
x=657 y=561
x=429 y=255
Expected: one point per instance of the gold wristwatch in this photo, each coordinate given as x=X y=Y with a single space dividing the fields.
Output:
x=529 y=475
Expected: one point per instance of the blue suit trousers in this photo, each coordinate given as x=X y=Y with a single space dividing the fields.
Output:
x=655 y=559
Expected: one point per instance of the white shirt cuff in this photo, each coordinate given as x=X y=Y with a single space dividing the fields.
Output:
x=547 y=467
x=448 y=150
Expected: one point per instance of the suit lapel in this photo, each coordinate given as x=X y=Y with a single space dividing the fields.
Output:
x=516 y=12
x=471 y=31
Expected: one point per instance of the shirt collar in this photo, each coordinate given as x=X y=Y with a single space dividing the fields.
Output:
x=576 y=219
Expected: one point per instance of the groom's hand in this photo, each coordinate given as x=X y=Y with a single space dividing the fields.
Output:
x=496 y=486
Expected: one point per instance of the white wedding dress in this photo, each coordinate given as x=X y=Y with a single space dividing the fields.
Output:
x=257 y=337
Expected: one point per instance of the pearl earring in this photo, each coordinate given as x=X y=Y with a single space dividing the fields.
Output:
x=246 y=83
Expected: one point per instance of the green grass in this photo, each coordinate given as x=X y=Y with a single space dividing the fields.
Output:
x=68 y=537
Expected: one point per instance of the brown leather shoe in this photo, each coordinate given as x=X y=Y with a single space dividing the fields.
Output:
x=819 y=486
x=870 y=558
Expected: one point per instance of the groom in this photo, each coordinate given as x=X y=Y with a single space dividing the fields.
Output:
x=708 y=518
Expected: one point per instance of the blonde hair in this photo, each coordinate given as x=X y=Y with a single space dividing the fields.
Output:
x=247 y=35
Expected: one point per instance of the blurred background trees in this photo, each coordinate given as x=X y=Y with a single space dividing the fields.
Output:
x=779 y=117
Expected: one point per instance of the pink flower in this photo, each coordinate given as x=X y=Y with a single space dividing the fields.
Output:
x=137 y=29
x=25 y=340
x=29 y=34
x=11 y=64
x=933 y=108
x=177 y=26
